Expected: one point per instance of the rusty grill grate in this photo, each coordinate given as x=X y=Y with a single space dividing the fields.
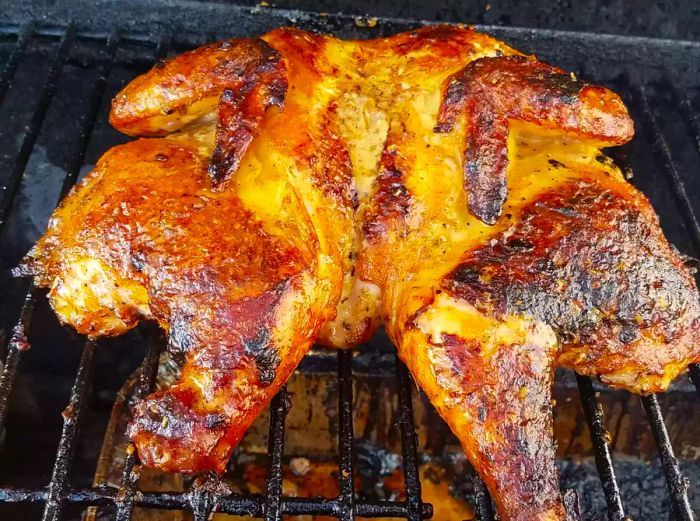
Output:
x=201 y=500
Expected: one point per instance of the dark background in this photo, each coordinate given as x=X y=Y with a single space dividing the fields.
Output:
x=676 y=19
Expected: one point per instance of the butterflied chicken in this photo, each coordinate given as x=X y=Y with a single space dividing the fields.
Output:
x=298 y=188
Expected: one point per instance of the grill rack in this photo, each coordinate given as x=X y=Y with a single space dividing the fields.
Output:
x=202 y=499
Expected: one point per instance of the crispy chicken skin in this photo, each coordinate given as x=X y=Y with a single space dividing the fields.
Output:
x=310 y=189
x=496 y=90
x=241 y=305
x=238 y=80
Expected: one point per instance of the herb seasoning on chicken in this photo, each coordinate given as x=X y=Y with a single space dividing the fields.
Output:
x=305 y=189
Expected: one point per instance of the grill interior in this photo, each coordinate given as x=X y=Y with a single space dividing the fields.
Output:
x=59 y=72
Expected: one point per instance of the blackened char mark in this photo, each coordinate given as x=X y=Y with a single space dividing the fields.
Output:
x=506 y=393
x=172 y=417
x=492 y=91
x=329 y=160
x=264 y=354
x=587 y=262
x=180 y=334
x=233 y=336
x=440 y=39
x=256 y=82
x=392 y=199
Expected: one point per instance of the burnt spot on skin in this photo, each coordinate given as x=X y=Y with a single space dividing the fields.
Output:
x=556 y=164
x=629 y=333
x=163 y=420
x=506 y=391
x=215 y=421
x=519 y=244
x=256 y=80
x=392 y=199
x=138 y=261
x=604 y=160
x=467 y=364
x=444 y=40
x=466 y=274
x=492 y=91
x=167 y=416
x=181 y=337
x=264 y=354
x=331 y=164
x=245 y=336
x=585 y=261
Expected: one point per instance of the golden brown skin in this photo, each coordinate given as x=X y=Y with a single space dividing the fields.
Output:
x=348 y=209
x=146 y=236
x=241 y=78
x=205 y=268
x=494 y=91
x=590 y=261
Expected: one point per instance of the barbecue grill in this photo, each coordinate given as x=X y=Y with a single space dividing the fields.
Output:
x=62 y=63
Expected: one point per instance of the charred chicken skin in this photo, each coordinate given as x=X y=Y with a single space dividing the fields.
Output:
x=305 y=189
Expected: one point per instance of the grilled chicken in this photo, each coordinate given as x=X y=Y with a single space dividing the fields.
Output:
x=310 y=189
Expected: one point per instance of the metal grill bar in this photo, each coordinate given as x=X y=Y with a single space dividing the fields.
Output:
x=663 y=155
x=278 y=413
x=691 y=120
x=162 y=46
x=147 y=379
x=19 y=341
x=603 y=459
x=409 y=443
x=662 y=152
x=14 y=59
x=687 y=110
x=677 y=483
x=88 y=123
x=346 y=463
x=572 y=505
x=233 y=504
x=202 y=500
x=69 y=436
x=34 y=127
x=482 y=500
x=694 y=372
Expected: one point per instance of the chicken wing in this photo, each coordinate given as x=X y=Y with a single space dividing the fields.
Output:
x=311 y=189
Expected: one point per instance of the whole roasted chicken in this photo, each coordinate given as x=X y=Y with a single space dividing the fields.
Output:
x=298 y=188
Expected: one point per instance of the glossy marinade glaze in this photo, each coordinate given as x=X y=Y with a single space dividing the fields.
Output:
x=311 y=189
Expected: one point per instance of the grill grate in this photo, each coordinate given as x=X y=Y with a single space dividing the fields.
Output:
x=203 y=498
